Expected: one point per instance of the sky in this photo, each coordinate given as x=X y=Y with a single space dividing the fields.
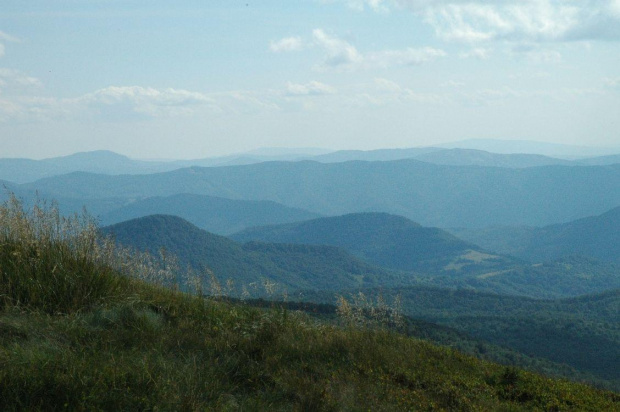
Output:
x=191 y=79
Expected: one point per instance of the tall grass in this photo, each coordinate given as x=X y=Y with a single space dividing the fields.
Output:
x=60 y=264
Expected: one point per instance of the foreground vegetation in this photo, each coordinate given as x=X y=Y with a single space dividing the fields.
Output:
x=78 y=333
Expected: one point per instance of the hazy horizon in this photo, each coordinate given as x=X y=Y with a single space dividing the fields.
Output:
x=549 y=149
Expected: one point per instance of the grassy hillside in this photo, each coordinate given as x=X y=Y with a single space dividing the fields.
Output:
x=595 y=236
x=586 y=339
x=85 y=337
x=386 y=240
x=292 y=267
x=214 y=214
x=434 y=195
x=583 y=332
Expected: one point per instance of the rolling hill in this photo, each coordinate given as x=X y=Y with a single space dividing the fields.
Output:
x=291 y=267
x=441 y=259
x=386 y=240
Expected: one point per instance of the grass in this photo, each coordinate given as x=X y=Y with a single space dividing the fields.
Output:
x=79 y=332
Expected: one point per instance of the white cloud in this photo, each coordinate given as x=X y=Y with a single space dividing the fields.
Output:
x=287 y=44
x=312 y=88
x=247 y=102
x=131 y=103
x=11 y=77
x=343 y=55
x=114 y=103
x=118 y=102
x=536 y=54
x=167 y=97
x=28 y=109
x=531 y=20
x=339 y=52
x=360 y=5
x=453 y=84
x=406 y=57
x=385 y=85
x=6 y=37
x=479 y=53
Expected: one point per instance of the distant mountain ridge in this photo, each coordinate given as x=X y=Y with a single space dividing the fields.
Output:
x=214 y=214
x=107 y=162
x=566 y=151
x=434 y=195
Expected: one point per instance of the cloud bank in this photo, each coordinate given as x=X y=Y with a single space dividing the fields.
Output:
x=526 y=20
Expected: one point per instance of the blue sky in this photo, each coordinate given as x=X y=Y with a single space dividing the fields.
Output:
x=189 y=79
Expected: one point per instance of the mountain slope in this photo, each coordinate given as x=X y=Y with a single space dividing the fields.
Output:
x=290 y=266
x=582 y=332
x=595 y=236
x=386 y=240
x=434 y=195
x=214 y=214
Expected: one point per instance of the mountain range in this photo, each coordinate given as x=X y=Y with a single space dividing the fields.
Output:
x=433 y=195
x=107 y=162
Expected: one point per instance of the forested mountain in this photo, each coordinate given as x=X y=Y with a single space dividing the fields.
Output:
x=291 y=267
x=386 y=240
x=434 y=195
x=595 y=236
x=214 y=214
x=441 y=259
